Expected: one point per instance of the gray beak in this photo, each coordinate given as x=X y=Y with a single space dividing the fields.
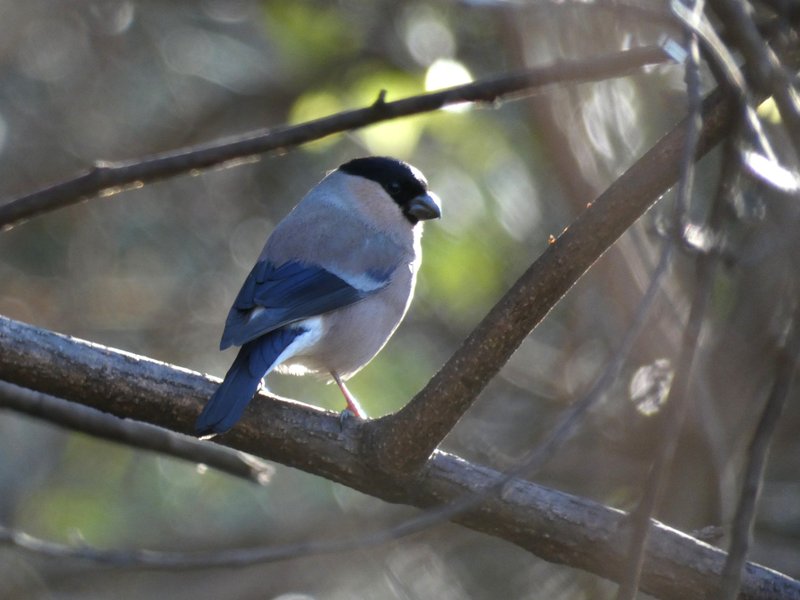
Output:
x=425 y=207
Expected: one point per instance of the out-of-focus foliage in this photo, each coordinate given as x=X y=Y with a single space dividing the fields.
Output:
x=154 y=270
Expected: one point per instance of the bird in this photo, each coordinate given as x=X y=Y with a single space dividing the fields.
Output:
x=332 y=284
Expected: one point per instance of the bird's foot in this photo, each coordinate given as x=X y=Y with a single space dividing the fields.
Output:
x=353 y=407
x=347 y=417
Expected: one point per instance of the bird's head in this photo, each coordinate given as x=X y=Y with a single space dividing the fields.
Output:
x=402 y=182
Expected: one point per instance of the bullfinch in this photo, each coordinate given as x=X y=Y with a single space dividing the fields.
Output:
x=331 y=285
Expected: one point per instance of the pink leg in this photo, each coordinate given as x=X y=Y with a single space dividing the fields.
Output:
x=352 y=404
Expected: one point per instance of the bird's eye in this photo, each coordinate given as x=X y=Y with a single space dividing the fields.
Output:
x=393 y=188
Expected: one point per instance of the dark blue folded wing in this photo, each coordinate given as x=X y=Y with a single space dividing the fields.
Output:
x=274 y=296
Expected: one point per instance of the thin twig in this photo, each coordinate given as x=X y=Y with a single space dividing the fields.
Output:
x=570 y=418
x=724 y=62
x=768 y=74
x=235 y=557
x=677 y=406
x=132 y=433
x=109 y=178
x=742 y=528
x=678 y=395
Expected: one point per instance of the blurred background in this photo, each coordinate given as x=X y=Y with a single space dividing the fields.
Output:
x=154 y=270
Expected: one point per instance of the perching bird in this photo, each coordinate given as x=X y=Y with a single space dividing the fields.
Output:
x=331 y=285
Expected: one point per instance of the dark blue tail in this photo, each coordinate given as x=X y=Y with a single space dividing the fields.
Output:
x=255 y=359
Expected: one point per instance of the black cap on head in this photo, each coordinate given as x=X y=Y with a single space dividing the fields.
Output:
x=401 y=181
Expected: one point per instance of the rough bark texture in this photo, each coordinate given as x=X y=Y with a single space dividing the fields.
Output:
x=555 y=526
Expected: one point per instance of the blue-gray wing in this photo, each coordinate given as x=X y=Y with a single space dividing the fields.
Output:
x=273 y=296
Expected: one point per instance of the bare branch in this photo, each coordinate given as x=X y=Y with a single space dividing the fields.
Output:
x=678 y=397
x=555 y=526
x=132 y=433
x=107 y=178
x=742 y=530
x=725 y=67
x=404 y=440
x=767 y=74
x=235 y=557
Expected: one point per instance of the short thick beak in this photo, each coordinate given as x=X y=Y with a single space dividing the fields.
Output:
x=425 y=207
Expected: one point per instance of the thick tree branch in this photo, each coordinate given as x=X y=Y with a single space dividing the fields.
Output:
x=555 y=526
x=109 y=178
x=404 y=440
x=137 y=434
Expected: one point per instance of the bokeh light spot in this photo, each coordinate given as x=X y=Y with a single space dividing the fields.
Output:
x=446 y=73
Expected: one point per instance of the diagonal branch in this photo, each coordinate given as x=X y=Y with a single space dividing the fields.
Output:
x=768 y=75
x=403 y=441
x=132 y=433
x=641 y=516
x=555 y=526
x=106 y=179
x=742 y=528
